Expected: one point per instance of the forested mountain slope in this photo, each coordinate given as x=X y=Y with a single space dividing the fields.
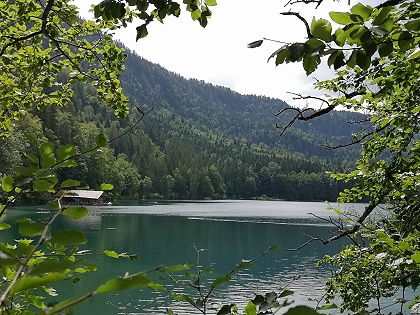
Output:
x=200 y=141
x=231 y=114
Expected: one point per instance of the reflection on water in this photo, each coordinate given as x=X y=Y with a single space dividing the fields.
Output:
x=229 y=231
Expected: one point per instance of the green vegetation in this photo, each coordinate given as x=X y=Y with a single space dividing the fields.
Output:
x=190 y=148
x=196 y=143
x=376 y=58
x=50 y=59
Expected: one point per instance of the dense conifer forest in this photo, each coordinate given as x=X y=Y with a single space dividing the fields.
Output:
x=200 y=141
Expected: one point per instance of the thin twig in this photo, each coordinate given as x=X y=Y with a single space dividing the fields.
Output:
x=308 y=29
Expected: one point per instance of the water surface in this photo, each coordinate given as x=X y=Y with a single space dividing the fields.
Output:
x=229 y=231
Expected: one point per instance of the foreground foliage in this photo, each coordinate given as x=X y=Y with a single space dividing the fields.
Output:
x=45 y=51
x=44 y=256
x=376 y=57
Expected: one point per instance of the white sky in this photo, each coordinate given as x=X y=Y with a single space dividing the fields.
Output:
x=218 y=54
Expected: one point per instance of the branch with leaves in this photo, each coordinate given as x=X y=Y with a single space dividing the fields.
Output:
x=41 y=43
x=269 y=303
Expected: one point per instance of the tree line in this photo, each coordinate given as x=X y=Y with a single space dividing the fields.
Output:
x=167 y=156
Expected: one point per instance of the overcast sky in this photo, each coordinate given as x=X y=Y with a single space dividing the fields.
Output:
x=218 y=54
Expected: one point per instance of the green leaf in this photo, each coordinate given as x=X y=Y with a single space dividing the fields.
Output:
x=98 y=11
x=196 y=14
x=388 y=24
x=118 y=10
x=250 y=309
x=341 y=17
x=76 y=213
x=328 y=307
x=336 y=59
x=9 y=251
x=413 y=25
x=30 y=228
x=310 y=64
x=100 y=140
x=363 y=60
x=273 y=248
x=211 y=2
x=369 y=47
x=220 y=280
x=297 y=50
x=111 y=253
x=416 y=257
x=7 y=183
x=70 y=183
x=386 y=49
x=66 y=151
x=357 y=33
x=225 y=309
x=141 y=31
x=352 y=60
x=23 y=171
x=90 y=267
x=286 y=293
x=362 y=10
x=32 y=157
x=405 y=41
x=156 y=286
x=182 y=297
x=69 y=237
x=382 y=15
x=356 y=18
x=132 y=257
x=7 y=260
x=106 y=187
x=403 y=246
x=25 y=244
x=123 y=284
x=26 y=283
x=381 y=234
x=301 y=310
x=314 y=44
x=282 y=55
x=321 y=29
x=245 y=264
x=67 y=163
x=142 y=6
x=4 y=226
x=46 y=148
x=48 y=161
x=177 y=268
x=42 y=185
x=255 y=44
x=48 y=266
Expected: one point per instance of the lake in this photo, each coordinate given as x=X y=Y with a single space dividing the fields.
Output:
x=229 y=231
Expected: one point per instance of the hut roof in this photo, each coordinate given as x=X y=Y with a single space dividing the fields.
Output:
x=87 y=194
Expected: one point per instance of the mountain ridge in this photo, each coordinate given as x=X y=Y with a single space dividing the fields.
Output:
x=200 y=141
x=231 y=113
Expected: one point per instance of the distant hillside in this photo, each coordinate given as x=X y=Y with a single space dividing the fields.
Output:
x=200 y=141
x=233 y=115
